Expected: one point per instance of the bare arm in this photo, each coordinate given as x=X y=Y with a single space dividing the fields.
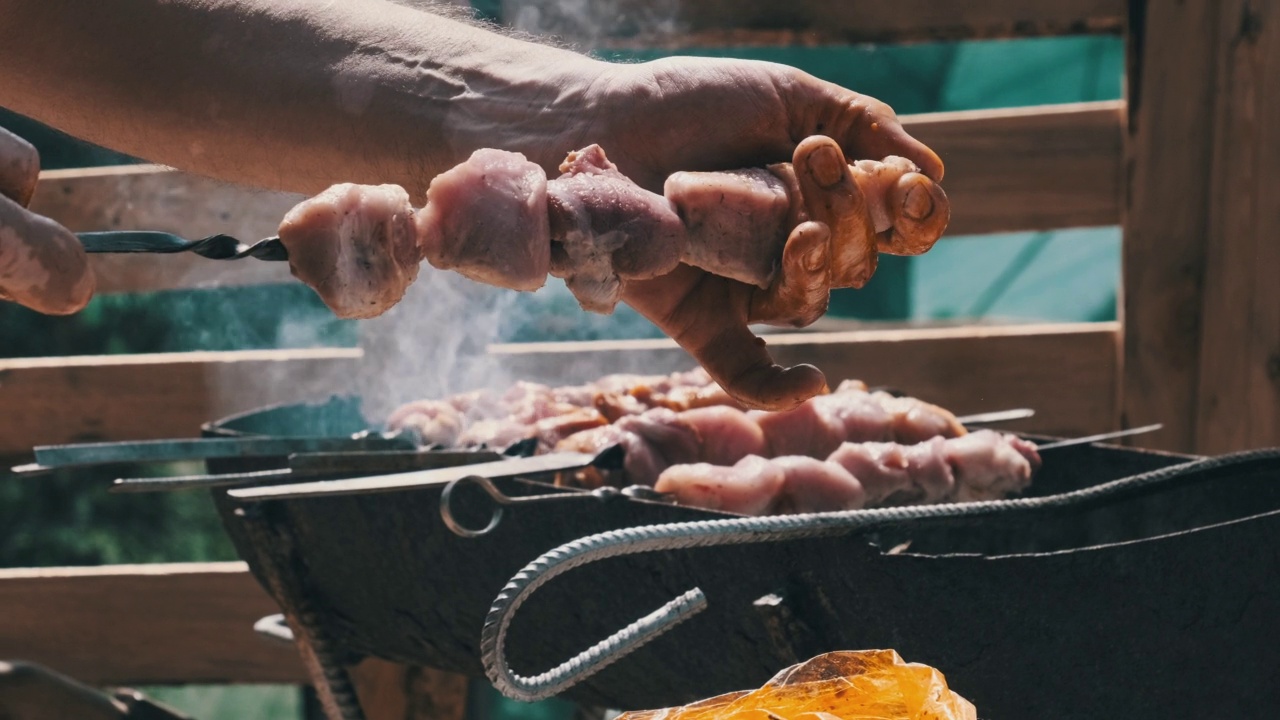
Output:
x=291 y=94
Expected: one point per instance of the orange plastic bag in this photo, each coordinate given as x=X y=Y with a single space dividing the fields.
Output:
x=867 y=685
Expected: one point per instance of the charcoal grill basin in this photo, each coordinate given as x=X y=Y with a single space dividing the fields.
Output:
x=1161 y=603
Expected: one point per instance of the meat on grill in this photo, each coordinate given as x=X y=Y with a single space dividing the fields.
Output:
x=497 y=420
x=816 y=429
x=984 y=465
x=758 y=486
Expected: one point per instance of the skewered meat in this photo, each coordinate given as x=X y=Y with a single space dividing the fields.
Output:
x=436 y=422
x=816 y=429
x=759 y=486
x=497 y=219
x=720 y=210
x=355 y=245
x=819 y=425
x=984 y=465
x=605 y=228
x=487 y=220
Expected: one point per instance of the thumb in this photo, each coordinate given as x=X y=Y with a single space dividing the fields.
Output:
x=42 y=264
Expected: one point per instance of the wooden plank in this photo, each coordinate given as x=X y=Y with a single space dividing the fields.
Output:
x=1067 y=373
x=689 y=23
x=135 y=624
x=1172 y=89
x=1015 y=169
x=139 y=397
x=1038 y=168
x=150 y=197
x=1239 y=382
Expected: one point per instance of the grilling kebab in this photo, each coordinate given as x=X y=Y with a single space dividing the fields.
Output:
x=497 y=219
x=683 y=435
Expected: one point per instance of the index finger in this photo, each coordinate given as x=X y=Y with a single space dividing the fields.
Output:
x=19 y=168
x=709 y=320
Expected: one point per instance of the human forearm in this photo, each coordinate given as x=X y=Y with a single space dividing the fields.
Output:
x=291 y=94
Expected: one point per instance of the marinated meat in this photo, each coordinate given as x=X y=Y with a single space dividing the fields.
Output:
x=819 y=425
x=487 y=220
x=355 y=245
x=605 y=228
x=990 y=465
x=737 y=221
x=984 y=465
x=727 y=434
x=894 y=474
x=497 y=219
x=436 y=422
x=749 y=487
x=759 y=486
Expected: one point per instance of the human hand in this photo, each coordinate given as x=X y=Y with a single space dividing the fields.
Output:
x=708 y=315
x=721 y=114
x=42 y=265
x=687 y=113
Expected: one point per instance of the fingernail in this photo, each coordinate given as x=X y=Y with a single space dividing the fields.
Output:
x=918 y=204
x=824 y=164
x=816 y=258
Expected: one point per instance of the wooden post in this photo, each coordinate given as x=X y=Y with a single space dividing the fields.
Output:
x=1239 y=390
x=1171 y=79
x=1201 y=298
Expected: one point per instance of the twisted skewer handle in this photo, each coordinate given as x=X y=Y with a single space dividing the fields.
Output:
x=214 y=247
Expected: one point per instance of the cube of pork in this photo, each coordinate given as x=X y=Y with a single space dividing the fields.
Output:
x=355 y=245
x=737 y=221
x=606 y=229
x=759 y=486
x=487 y=219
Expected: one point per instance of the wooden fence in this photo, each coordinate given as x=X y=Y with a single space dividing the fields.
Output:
x=1185 y=165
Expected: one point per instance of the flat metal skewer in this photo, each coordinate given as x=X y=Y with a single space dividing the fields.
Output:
x=304 y=463
x=997 y=416
x=536 y=465
x=1100 y=437
x=149 y=451
x=214 y=247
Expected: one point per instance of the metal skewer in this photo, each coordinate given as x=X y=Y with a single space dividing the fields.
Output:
x=537 y=465
x=313 y=464
x=1101 y=437
x=305 y=462
x=214 y=247
x=49 y=457
x=997 y=416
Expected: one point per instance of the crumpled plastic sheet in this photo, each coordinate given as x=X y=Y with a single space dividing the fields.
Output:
x=863 y=685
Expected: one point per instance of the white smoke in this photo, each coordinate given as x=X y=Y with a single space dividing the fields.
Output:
x=588 y=22
x=434 y=343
